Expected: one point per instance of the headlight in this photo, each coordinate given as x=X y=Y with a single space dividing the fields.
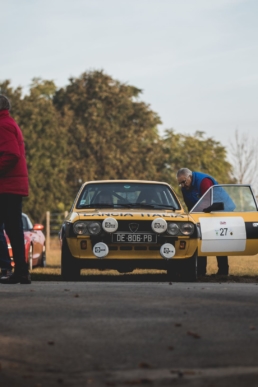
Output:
x=80 y=228
x=187 y=228
x=173 y=229
x=94 y=228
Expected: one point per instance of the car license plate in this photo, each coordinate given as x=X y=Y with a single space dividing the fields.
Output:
x=134 y=238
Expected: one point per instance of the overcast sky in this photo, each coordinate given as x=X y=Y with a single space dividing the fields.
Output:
x=195 y=60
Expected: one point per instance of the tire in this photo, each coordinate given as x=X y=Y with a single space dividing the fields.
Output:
x=70 y=271
x=189 y=269
x=43 y=262
x=173 y=271
x=30 y=258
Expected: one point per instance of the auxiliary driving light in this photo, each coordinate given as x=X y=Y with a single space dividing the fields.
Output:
x=167 y=251
x=100 y=250
x=110 y=225
x=159 y=225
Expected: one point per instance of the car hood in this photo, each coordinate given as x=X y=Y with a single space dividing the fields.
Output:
x=127 y=214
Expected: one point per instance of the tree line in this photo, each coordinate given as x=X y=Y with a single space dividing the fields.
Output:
x=98 y=128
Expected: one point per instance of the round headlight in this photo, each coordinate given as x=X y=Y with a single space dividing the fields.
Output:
x=94 y=228
x=173 y=229
x=187 y=228
x=80 y=228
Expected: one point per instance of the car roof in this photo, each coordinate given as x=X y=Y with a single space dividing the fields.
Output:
x=126 y=181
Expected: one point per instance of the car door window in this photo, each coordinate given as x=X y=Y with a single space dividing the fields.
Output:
x=236 y=198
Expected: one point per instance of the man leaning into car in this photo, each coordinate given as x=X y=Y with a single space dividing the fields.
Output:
x=13 y=186
x=193 y=186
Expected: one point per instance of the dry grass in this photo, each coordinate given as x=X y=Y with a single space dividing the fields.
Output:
x=244 y=269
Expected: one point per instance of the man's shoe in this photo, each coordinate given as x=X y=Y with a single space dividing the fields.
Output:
x=5 y=273
x=25 y=279
x=16 y=279
x=222 y=272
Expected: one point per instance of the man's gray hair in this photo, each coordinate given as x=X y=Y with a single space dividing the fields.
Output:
x=4 y=103
x=184 y=172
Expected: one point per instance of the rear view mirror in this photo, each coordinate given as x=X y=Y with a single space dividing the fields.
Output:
x=219 y=206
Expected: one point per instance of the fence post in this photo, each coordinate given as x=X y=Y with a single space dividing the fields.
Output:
x=48 y=231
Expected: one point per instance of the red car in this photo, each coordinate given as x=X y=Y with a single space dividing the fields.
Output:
x=34 y=240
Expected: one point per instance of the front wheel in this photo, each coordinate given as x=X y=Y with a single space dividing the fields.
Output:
x=174 y=271
x=70 y=271
x=189 y=269
x=183 y=270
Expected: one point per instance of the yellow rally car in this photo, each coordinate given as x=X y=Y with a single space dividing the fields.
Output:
x=129 y=224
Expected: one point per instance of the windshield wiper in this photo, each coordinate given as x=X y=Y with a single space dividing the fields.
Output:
x=166 y=206
x=97 y=205
x=105 y=205
x=127 y=205
x=147 y=205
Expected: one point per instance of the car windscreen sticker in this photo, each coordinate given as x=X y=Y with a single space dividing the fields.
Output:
x=127 y=186
x=222 y=234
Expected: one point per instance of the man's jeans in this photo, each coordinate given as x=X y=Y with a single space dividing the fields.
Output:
x=11 y=217
x=5 y=261
x=222 y=265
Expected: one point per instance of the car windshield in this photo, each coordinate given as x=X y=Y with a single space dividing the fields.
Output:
x=127 y=195
x=26 y=223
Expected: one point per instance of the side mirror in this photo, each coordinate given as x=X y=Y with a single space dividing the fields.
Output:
x=219 y=206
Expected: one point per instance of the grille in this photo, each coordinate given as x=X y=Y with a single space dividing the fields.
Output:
x=144 y=226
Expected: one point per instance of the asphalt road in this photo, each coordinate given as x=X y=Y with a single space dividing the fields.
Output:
x=120 y=334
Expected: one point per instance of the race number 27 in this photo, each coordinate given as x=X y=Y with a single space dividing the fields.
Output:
x=223 y=231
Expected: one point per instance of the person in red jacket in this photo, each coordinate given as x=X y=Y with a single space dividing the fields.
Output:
x=13 y=186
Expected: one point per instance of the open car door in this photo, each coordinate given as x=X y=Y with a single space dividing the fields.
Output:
x=227 y=218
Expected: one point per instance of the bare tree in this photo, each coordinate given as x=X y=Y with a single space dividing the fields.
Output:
x=243 y=156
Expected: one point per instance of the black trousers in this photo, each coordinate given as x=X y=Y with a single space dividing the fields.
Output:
x=5 y=261
x=11 y=218
x=222 y=265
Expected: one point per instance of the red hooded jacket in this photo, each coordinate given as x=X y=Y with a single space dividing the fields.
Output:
x=13 y=168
